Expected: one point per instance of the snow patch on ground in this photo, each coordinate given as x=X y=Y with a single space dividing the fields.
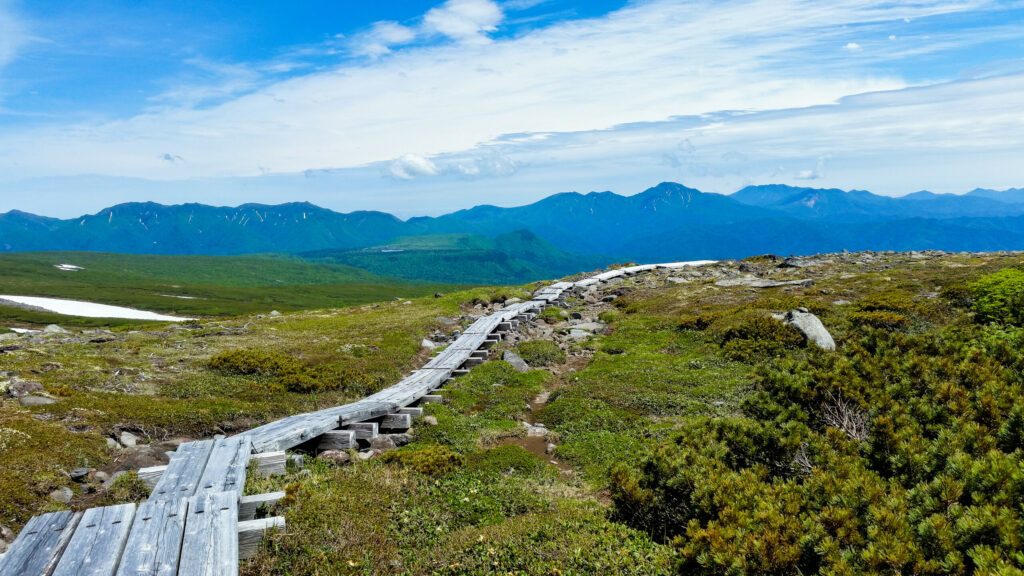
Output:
x=68 y=267
x=23 y=330
x=179 y=296
x=88 y=309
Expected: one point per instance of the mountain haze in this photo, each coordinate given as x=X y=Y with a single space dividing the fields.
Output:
x=556 y=235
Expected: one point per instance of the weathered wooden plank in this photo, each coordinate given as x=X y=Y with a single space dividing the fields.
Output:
x=38 y=547
x=225 y=470
x=270 y=463
x=251 y=532
x=337 y=440
x=415 y=412
x=96 y=546
x=183 y=472
x=249 y=505
x=210 y=544
x=153 y=547
x=151 y=474
x=395 y=422
x=364 y=430
x=432 y=398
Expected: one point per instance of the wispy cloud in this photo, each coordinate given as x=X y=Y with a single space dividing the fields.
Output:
x=448 y=84
x=14 y=33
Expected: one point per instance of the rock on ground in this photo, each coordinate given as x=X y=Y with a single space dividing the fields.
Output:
x=128 y=439
x=754 y=282
x=335 y=456
x=516 y=361
x=810 y=326
x=62 y=495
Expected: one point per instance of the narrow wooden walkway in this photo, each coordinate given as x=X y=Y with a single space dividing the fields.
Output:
x=197 y=522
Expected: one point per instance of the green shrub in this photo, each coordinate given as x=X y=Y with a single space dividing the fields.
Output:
x=881 y=319
x=283 y=369
x=430 y=460
x=510 y=459
x=252 y=362
x=999 y=297
x=759 y=337
x=552 y=315
x=540 y=353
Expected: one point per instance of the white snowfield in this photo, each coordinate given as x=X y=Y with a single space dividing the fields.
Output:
x=88 y=309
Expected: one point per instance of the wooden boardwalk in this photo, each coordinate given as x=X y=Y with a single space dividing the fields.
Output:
x=197 y=522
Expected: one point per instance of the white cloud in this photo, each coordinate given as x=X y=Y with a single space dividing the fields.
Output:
x=464 y=20
x=815 y=173
x=381 y=38
x=853 y=47
x=410 y=166
x=645 y=63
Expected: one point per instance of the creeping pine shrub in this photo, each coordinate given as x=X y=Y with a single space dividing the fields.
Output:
x=758 y=338
x=540 y=353
x=999 y=297
x=284 y=369
x=552 y=314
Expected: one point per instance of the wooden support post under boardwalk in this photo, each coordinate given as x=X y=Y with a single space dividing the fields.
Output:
x=249 y=505
x=432 y=398
x=251 y=532
x=267 y=464
x=395 y=423
x=337 y=440
x=364 y=430
x=415 y=412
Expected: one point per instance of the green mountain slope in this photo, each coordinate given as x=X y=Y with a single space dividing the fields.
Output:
x=514 y=257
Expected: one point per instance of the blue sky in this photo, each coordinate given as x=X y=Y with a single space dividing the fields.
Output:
x=421 y=107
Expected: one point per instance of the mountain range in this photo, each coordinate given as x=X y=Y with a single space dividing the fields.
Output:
x=558 y=234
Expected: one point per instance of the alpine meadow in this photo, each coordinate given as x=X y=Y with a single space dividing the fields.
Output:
x=511 y=287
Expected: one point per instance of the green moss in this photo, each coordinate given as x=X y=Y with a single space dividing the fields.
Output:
x=429 y=460
x=540 y=352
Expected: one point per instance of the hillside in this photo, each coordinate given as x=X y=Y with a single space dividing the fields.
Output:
x=664 y=423
x=570 y=232
x=518 y=256
x=191 y=285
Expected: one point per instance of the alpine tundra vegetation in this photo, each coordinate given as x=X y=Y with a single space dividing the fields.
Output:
x=667 y=423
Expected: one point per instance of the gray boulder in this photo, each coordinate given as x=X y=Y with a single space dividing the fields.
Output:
x=29 y=401
x=17 y=388
x=810 y=326
x=54 y=329
x=62 y=495
x=335 y=456
x=128 y=439
x=516 y=361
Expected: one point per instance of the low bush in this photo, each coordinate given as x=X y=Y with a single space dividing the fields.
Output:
x=285 y=370
x=881 y=319
x=759 y=337
x=430 y=460
x=540 y=353
x=999 y=297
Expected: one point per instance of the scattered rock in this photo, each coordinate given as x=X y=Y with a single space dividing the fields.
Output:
x=54 y=329
x=550 y=448
x=29 y=401
x=17 y=388
x=6 y=534
x=589 y=326
x=298 y=460
x=274 y=314
x=49 y=366
x=366 y=455
x=810 y=326
x=542 y=398
x=400 y=439
x=535 y=430
x=516 y=361
x=577 y=334
x=8 y=336
x=755 y=282
x=609 y=298
x=128 y=439
x=112 y=444
x=438 y=295
x=79 y=474
x=430 y=420
x=62 y=495
x=382 y=442
x=335 y=456
x=576 y=316
x=113 y=478
x=428 y=344
x=101 y=476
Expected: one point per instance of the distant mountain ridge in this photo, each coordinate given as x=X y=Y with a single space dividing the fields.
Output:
x=663 y=222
